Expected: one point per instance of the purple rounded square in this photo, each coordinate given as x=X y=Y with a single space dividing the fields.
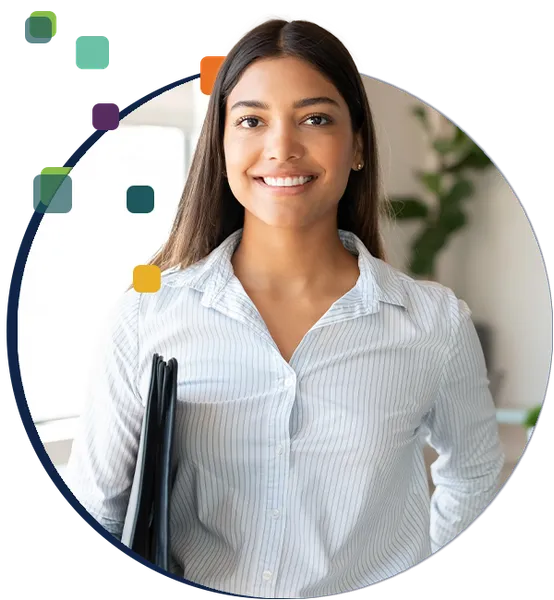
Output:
x=105 y=116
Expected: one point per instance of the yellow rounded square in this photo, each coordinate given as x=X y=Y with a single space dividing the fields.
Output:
x=147 y=279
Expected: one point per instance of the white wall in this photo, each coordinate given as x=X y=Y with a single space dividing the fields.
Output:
x=506 y=286
x=494 y=264
x=183 y=107
x=81 y=262
x=402 y=148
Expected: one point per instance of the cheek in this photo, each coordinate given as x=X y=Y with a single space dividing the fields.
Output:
x=336 y=153
x=239 y=156
x=237 y=162
x=337 y=164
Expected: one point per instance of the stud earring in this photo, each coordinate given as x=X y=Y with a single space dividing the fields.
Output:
x=360 y=166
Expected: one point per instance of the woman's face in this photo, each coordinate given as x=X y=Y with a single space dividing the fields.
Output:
x=274 y=128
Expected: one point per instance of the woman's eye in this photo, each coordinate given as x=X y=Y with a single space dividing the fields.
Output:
x=317 y=119
x=249 y=120
x=252 y=122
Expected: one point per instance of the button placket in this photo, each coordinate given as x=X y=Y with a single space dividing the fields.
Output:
x=272 y=557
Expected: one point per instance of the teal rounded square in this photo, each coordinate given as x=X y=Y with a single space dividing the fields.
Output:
x=37 y=25
x=92 y=52
x=140 y=199
x=52 y=193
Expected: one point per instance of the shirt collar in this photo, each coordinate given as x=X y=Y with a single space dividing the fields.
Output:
x=378 y=281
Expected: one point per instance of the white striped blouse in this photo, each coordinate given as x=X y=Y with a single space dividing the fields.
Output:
x=306 y=478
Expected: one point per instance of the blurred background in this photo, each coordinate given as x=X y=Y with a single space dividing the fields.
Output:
x=454 y=219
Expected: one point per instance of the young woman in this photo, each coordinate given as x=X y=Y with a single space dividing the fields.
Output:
x=310 y=371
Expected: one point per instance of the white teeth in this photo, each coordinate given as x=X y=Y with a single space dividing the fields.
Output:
x=287 y=182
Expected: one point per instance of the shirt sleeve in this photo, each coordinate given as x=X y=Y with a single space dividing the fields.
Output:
x=463 y=429
x=102 y=462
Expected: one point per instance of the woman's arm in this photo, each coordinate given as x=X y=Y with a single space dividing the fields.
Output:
x=462 y=428
x=103 y=456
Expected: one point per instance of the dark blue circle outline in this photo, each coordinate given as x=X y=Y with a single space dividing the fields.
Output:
x=14 y=374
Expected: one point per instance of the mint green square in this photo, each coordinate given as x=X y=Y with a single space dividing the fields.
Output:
x=93 y=52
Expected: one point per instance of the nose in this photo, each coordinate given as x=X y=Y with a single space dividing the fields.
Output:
x=283 y=142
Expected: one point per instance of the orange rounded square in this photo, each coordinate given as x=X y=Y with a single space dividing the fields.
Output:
x=147 y=279
x=209 y=68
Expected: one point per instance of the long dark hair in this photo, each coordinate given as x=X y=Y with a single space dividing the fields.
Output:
x=208 y=212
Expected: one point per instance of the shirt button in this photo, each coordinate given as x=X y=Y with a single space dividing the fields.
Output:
x=279 y=449
x=267 y=575
x=289 y=381
x=276 y=513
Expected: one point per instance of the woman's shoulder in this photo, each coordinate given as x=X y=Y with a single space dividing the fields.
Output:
x=173 y=288
x=420 y=296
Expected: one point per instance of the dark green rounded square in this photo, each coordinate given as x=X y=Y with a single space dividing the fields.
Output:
x=140 y=199
x=38 y=31
x=40 y=27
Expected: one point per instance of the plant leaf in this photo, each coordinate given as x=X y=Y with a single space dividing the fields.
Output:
x=427 y=246
x=421 y=114
x=408 y=207
x=444 y=146
x=459 y=135
x=432 y=181
x=477 y=158
x=474 y=159
x=462 y=188
x=425 y=249
x=532 y=416
x=453 y=220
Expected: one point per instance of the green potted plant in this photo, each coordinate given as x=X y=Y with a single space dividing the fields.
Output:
x=442 y=214
x=455 y=156
x=531 y=419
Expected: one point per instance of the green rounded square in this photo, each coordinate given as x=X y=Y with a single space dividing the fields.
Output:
x=140 y=199
x=92 y=52
x=49 y=15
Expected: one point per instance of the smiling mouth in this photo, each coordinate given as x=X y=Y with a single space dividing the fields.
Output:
x=297 y=187
x=285 y=182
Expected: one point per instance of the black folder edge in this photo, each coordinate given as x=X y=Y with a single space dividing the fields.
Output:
x=161 y=505
x=136 y=502
x=144 y=530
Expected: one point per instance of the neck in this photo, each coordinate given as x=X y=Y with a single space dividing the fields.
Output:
x=288 y=262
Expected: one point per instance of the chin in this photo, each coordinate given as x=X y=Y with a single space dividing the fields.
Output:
x=283 y=221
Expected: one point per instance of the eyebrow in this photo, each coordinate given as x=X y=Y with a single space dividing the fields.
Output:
x=298 y=104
